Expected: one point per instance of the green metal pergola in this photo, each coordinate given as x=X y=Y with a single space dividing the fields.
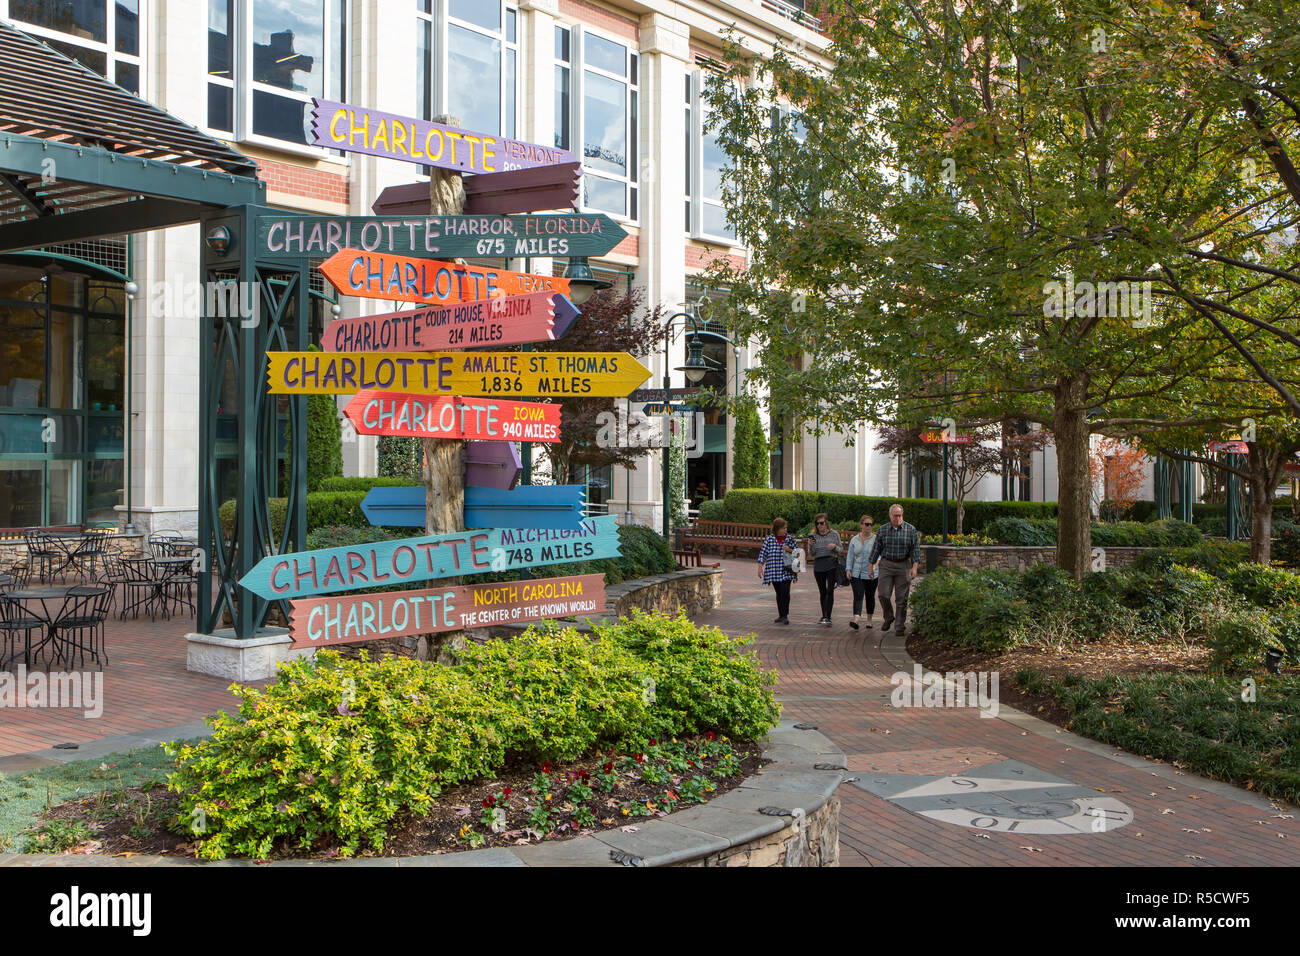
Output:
x=80 y=159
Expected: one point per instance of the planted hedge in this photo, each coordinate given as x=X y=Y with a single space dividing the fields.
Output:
x=1239 y=611
x=335 y=749
x=1041 y=532
x=761 y=505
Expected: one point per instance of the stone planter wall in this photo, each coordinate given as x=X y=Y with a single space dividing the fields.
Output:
x=1004 y=556
x=695 y=589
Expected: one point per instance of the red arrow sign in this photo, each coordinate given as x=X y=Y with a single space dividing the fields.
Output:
x=377 y=276
x=508 y=320
x=403 y=415
x=1229 y=447
x=941 y=438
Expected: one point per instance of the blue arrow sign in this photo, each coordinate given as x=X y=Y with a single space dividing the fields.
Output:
x=660 y=408
x=427 y=558
x=528 y=506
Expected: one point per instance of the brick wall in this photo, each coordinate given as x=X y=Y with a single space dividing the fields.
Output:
x=588 y=14
x=303 y=181
x=699 y=257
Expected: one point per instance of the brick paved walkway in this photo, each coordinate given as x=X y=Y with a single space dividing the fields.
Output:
x=146 y=686
x=839 y=679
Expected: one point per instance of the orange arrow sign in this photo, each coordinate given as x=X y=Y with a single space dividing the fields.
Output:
x=374 y=275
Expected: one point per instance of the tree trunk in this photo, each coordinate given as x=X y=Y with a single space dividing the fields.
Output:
x=1074 y=491
x=444 y=461
x=961 y=514
x=1265 y=468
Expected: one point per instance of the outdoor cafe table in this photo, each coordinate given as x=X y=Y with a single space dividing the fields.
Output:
x=141 y=570
x=29 y=597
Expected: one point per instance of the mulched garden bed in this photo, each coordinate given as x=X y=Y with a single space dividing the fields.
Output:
x=527 y=803
x=1093 y=661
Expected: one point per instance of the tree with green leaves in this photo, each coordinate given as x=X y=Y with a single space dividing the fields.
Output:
x=751 y=463
x=999 y=210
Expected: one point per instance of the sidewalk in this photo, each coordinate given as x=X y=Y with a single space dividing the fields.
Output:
x=1020 y=776
x=839 y=679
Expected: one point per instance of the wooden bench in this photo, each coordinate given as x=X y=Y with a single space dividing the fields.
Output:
x=727 y=534
x=691 y=558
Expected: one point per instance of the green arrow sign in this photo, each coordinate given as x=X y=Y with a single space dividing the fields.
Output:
x=443 y=237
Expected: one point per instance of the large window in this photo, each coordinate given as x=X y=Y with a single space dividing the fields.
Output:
x=62 y=390
x=468 y=63
x=596 y=108
x=102 y=35
x=705 y=162
x=267 y=59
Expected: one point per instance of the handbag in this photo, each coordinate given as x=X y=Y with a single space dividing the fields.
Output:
x=794 y=561
x=842 y=573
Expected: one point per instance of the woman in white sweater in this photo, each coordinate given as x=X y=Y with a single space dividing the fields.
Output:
x=858 y=567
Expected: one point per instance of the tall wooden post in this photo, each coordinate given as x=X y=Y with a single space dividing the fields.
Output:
x=444 y=461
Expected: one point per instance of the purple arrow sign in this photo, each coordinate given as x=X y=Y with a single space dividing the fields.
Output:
x=492 y=464
x=358 y=129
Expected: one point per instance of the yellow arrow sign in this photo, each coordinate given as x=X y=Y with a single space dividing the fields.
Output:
x=532 y=374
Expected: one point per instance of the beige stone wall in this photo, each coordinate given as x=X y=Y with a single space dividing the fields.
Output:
x=811 y=841
x=1019 y=558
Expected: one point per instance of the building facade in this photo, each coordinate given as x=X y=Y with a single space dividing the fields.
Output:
x=102 y=339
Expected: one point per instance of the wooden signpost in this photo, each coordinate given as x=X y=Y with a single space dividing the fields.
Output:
x=357 y=129
x=517 y=191
x=428 y=558
x=1229 y=448
x=487 y=374
x=403 y=415
x=505 y=320
x=492 y=464
x=447 y=237
x=375 y=275
x=322 y=622
x=530 y=506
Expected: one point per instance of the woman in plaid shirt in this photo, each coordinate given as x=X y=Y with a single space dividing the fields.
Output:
x=772 y=569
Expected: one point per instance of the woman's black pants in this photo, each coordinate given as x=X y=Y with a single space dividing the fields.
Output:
x=864 y=590
x=826 y=588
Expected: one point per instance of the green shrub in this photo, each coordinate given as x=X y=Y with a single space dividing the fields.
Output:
x=713 y=510
x=324 y=509
x=1215 y=557
x=365 y=484
x=1286 y=549
x=1215 y=526
x=341 y=536
x=751 y=461
x=401 y=458
x=642 y=552
x=982 y=609
x=337 y=748
x=1240 y=637
x=699 y=678
x=1022 y=532
x=1264 y=586
x=760 y=506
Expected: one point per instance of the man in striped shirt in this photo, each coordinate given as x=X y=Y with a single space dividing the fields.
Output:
x=895 y=559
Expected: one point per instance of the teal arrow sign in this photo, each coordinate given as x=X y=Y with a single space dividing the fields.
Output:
x=527 y=506
x=390 y=563
x=440 y=237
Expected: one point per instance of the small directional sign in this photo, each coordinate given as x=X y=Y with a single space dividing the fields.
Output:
x=661 y=394
x=492 y=464
x=662 y=408
x=357 y=129
x=326 y=621
x=444 y=237
x=1229 y=448
x=403 y=415
x=376 y=275
x=937 y=437
x=489 y=374
x=427 y=558
x=527 y=506
x=505 y=320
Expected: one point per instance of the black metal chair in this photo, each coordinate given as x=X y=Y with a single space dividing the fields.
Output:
x=162 y=544
x=79 y=625
x=15 y=620
x=43 y=552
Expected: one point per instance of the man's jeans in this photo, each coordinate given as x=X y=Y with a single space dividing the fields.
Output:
x=895 y=585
